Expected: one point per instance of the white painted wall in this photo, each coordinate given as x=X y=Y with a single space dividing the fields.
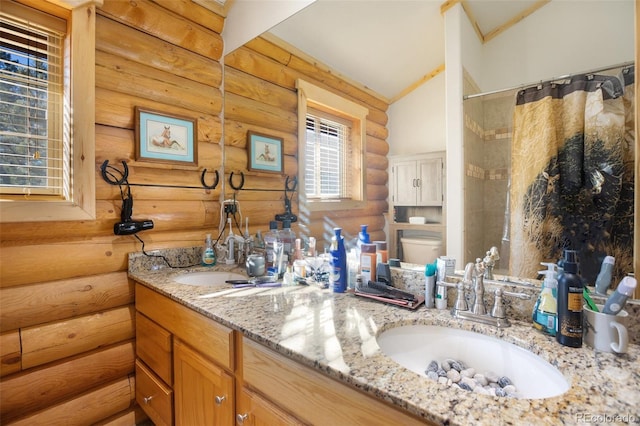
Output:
x=563 y=37
x=416 y=122
x=247 y=19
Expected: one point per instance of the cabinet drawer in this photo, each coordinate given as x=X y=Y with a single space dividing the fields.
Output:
x=201 y=333
x=254 y=410
x=153 y=395
x=312 y=395
x=153 y=346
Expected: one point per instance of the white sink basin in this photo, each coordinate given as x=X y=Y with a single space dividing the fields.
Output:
x=415 y=346
x=208 y=278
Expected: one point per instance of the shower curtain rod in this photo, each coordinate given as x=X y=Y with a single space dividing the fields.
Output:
x=522 y=86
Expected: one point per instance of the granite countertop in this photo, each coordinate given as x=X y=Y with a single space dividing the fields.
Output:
x=336 y=334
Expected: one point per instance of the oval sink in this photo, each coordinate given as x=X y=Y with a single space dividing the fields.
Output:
x=415 y=346
x=208 y=278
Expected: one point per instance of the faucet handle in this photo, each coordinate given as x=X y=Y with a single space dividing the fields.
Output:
x=498 y=306
x=461 y=301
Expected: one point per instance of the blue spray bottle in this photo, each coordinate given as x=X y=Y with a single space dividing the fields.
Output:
x=338 y=278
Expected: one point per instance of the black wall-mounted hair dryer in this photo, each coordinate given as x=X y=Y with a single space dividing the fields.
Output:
x=128 y=226
x=131 y=227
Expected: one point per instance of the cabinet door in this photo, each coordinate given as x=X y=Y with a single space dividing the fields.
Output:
x=254 y=410
x=404 y=183
x=430 y=182
x=203 y=392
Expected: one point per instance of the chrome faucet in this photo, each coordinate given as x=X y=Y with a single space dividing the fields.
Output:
x=473 y=279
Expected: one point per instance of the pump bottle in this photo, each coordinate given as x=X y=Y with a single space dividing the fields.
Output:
x=546 y=307
x=570 y=289
x=208 y=254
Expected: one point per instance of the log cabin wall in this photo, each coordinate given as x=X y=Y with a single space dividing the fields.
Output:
x=66 y=305
x=67 y=323
x=260 y=95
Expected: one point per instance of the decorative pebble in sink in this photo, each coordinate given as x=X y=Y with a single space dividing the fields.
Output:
x=415 y=346
x=456 y=373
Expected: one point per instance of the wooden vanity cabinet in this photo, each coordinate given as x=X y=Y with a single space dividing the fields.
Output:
x=186 y=358
x=219 y=377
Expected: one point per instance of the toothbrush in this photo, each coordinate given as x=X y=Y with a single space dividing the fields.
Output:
x=589 y=300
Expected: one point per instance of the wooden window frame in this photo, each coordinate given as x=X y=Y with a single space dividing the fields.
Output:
x=312 y=96
x=80 y=92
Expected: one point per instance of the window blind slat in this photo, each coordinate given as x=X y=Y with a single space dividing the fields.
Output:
x=33 y=156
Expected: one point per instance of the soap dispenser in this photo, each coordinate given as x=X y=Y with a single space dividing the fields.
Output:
x=208 y=254
x=546 y=308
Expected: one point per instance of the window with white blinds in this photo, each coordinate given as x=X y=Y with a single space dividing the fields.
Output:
x=327 y=173
x=35 y=155
x=331 y=147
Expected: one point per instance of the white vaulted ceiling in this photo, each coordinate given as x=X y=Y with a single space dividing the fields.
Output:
x=389 y=46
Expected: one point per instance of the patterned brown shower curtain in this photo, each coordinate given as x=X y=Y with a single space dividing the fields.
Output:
x=573 y=173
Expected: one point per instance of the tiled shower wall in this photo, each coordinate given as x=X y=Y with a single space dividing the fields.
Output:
x=487 y=150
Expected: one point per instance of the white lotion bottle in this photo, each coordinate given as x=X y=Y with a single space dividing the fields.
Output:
x=603 y=281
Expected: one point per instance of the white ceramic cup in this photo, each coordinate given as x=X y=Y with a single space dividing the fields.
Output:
x=605 y=333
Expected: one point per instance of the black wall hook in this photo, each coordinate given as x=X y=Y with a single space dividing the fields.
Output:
x=241 y=181
x=109 y=177
x=215 y=182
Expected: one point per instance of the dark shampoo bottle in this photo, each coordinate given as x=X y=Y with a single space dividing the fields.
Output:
x=570 y=287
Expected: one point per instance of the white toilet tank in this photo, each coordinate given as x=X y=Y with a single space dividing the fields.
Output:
x=420 y=251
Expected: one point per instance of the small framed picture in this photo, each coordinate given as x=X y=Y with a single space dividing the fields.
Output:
x=163 y=138
x=265 y=152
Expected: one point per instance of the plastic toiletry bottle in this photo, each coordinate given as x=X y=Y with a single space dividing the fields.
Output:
x=368 y=262
x=288 y=238
x=208 y=253
x=338 y=277
x=618 y=298
x=441 y=290
x=297 y=251
x=270 y=237
x=259 y=242
x=546 y=308
x=311 y=252
x=363 y=238
x=603 y=281
x=570 y=289
x=430 y=285
x=382 y=255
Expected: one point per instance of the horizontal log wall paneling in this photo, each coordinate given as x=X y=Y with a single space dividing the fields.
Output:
x=67 y=323
x=260 y=96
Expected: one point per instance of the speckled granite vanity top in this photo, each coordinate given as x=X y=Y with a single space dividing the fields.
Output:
x=336 y=334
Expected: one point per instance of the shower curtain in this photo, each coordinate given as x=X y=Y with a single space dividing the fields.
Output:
x=573 y=174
